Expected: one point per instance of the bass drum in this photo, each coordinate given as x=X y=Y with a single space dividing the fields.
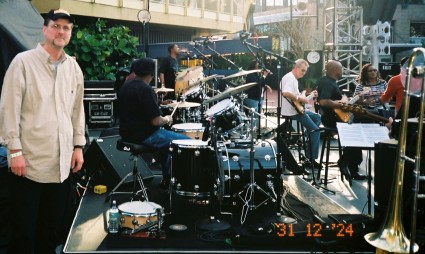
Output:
x=192 y=174
x=236 y=163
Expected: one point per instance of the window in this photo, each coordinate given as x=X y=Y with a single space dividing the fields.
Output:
x=417 y=29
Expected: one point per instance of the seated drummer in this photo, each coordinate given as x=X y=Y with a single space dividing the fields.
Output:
x=140 y=115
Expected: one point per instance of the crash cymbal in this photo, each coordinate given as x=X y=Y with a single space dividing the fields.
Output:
x=229 y=92
x=185 y=104
x=203 y=80
x=241 y=73
x=163 y=90
x=189 y=74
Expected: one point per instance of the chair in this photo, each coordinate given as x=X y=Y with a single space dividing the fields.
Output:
x=136 y=150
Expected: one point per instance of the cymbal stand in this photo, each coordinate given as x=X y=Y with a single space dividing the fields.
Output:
x=249 y=189
x=212 y=223
x=205 y=58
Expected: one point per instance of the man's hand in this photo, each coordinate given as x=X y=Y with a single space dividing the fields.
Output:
x=170 y=120
x=390 y=123
x=18 y=165
x=77 y=160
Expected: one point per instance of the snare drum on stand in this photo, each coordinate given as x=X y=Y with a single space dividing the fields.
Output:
x=193 y=130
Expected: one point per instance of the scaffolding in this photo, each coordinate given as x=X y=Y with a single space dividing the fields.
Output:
x=343 y=38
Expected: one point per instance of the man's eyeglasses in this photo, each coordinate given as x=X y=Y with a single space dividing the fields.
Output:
x=66 y=29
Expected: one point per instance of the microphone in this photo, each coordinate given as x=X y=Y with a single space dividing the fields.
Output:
x=206 y=41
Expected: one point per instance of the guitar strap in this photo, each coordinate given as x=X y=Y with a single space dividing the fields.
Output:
x=290 y=102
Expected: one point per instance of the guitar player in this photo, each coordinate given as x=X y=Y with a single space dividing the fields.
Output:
x=309 y=120
x=329 y=99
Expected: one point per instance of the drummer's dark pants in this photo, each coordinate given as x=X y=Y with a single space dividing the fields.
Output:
x=161 y=140
x=37 y=215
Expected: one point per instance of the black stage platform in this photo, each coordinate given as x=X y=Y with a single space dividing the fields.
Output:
x=315 y=230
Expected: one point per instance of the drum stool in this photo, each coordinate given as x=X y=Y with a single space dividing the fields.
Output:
x=289 y=133
x=327 y=136
x=136 y=150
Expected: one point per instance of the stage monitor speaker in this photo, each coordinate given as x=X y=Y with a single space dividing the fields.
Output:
x=107 y=165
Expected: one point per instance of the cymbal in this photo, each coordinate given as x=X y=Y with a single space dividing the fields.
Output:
x=241 y=73
x=230 y=91
x=203 y=80
x=163 y=90
x=189 y=73
x=185 y=104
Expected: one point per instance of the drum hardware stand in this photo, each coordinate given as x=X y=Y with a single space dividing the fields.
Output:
x=137 y=178
x=250 y=188
x=211 y=223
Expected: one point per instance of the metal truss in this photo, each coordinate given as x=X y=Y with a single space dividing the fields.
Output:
x=343 y=38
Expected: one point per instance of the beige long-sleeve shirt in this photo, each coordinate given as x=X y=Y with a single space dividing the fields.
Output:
x=42 y=112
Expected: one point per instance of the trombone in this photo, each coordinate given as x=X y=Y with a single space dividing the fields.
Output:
x=391 y=236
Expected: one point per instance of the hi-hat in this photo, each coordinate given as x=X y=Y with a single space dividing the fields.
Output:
x=163 y=90
x=185 y=104
x=241 y=73
x=189 y=74
x=229 y=92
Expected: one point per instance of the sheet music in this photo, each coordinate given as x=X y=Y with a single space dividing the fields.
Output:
x=361 y=134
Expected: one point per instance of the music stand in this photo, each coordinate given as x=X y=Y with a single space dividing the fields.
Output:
x=363 y=136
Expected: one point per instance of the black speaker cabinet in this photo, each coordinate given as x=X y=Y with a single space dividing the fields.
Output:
x=385 y=168
x=107 y=165
x=385 y=154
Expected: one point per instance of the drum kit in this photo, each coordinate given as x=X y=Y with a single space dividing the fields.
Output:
x=222 y=147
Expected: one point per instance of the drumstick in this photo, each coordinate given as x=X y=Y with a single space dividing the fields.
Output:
x=174 y=110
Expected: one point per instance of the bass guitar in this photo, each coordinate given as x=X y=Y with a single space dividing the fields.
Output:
x=344 y=115
x=359 y=110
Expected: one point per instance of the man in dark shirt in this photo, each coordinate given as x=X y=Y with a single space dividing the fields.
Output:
x=169 y=69
x=140 y=115
x=329 y=99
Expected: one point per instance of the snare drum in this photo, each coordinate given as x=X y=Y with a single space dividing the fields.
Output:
x=193 y=130
x=227 y=116
x=136 y=214
x=193 y=174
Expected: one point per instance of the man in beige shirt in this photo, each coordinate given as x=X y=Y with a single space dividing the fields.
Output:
x=42 y=125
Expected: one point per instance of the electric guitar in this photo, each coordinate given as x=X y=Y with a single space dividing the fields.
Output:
x=344 y=115
x=299 y=106
x=358 y=110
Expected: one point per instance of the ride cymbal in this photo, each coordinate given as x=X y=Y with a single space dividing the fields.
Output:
x=229 y=92
x=241 y=73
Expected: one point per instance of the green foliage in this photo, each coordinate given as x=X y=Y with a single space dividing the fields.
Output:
x=100 y=50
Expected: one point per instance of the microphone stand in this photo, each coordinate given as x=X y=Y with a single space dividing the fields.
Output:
x=267 y=52
x=221 y=56
x=247 y=45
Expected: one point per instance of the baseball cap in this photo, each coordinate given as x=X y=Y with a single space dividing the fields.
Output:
x=57 y=14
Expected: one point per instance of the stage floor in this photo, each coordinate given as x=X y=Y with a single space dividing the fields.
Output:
x=257 y=235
